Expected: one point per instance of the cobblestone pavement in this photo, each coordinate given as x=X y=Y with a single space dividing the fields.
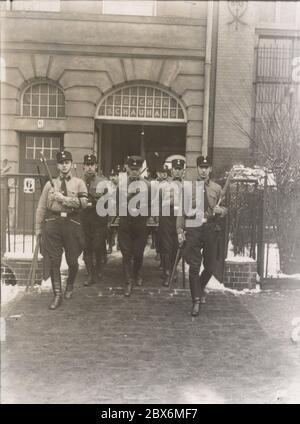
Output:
x=101 y=347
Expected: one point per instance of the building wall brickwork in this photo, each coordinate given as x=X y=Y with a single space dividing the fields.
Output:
x=21 y=269
x=235 y=62
x=61 y=48
x=240 y=275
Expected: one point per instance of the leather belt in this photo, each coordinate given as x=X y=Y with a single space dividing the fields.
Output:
x=203 y=220
x=62 y=214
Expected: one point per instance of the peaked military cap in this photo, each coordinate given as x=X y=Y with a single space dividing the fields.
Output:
x=89 y=159
x=114 y=172
x=126 y=160
x=119 y=169
x=178 y=163
x=135 y=162
x=64 y=155
x=163 y=168
x=203 y=161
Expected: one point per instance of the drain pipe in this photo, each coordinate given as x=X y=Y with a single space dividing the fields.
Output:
x=207 y=74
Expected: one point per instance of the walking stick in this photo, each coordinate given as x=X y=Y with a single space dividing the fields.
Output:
x=183 y=273
x=177 y=259
x=32 y=272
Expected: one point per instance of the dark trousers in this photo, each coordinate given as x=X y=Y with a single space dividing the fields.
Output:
x=201 y=242
x=168 y=240
x=132 y=239
x=95 y=234
x=61 y=234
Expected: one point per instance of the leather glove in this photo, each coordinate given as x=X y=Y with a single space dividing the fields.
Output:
x=58 y=197
x=181 y=239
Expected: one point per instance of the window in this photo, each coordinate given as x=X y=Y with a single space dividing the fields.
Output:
x=43 y=101
x=286 y=12
x=36 y=5
x=276 y=87
x=35 y=144
x=133 y=7
x=141 y=103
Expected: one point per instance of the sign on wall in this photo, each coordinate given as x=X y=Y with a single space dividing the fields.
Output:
x=141 y=103
x=29 y=185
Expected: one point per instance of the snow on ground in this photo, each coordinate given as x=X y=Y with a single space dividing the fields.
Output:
x=272 y=261
x=8 y=293
x=240 y=259
x=215 y=285
x=258 y=173
x=22 y=248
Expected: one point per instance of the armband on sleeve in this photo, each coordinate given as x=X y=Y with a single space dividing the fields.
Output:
x=83 y=200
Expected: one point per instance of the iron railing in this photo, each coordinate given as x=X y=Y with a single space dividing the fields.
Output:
x=20 y=194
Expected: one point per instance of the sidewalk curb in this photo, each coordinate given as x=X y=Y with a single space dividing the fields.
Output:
x=280 y=284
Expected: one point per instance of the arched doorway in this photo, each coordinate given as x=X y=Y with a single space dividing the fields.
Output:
x=139 y=119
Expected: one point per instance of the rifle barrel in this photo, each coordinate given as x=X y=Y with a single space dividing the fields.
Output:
x=47 y=169
x=32 y=272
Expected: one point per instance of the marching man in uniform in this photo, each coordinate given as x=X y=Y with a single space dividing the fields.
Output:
x=57 y=220
x=133 y=229
x=162 y=172
x=167 y=224
x=201 y=240
x=112 y=233
x=94 y=226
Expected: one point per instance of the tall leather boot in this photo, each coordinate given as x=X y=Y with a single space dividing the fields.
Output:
x=103 y=255
x=204 y=279
x=166 y=270
x=99 y=261
x=161 y=263
x=69 y=287
x=90 y=268
x=196 y=307
x=110 y=242
x=56 y=284
x=69 y=290
x=128 y=277
x=137 y=265
x=73 y=269
x=195 y=291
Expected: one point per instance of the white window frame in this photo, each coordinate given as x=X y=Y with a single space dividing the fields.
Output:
x=120 y=93
x=28 y=91
x=278 y=5
x=107 y=11
x=34 y=5
x=52 y=149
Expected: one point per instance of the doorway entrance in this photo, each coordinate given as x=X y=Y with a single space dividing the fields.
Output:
x=119 y=140
x=139 y=119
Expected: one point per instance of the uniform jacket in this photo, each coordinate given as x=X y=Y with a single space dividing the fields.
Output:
x=76 y=198
x=214 y=192
x=169 y=195
x=146 y=198
x=91 y=184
